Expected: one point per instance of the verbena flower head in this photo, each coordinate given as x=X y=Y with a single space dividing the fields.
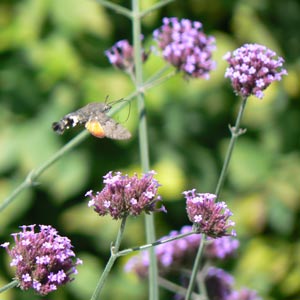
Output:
x=179 y=254
x=44 y=260
x=186 y=46
x=208 y=216
x=252 y=68
x=121 y=55
x=123 y=195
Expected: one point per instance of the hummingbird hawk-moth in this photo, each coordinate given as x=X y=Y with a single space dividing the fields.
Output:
x=93 y=116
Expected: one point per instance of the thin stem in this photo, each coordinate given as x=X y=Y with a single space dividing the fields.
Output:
x=159 y=242
x=155 y=7
x=143 y=143
x=201 y=281
x=202 y=287
x=176 y=289
x=235 y=133
x=10 y=285
x=195 y=268
x=155 y=82
x=31 y=178
x=111 y=261
x=157 y=75
x=117 y=8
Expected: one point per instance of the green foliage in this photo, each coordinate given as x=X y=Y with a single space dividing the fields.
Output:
x=52 y=62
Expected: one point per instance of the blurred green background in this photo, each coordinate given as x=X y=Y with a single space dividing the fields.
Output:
x=52 y=62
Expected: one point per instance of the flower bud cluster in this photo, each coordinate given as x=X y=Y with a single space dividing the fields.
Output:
x=186 y=46
x=123 y=195
x=209 y=217
x=43 y=260
x=252 y=68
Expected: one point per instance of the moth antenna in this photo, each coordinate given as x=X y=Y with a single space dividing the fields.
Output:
x=122 y=100
x=128 y=110
x=113 y=102
x=106 y=100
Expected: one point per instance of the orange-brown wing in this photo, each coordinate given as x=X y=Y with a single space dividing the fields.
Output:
x=103 y=126
x=95 y=128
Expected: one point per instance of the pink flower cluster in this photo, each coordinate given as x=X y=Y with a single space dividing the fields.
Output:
x=123 y=195
x=252 y=68
x=209 y=217
x=43 y=260
x=185 y=46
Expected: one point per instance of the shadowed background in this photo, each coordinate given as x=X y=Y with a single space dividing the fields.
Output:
x=52 y=62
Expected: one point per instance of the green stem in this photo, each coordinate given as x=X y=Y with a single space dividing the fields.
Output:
x=155 y=7
x=10 y=285
x=202 y=287
x=235 y=133
x=201 y=281
x=155 y=82
x=31 y=178
x=195 y=268
x=111 y=261
x=157 y=74
x=176 y=289
x=159 y=242
x=117 y=8
x=143 y=143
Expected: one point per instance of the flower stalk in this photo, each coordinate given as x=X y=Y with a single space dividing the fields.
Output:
x=111 y=261
x=10 y=285
x=196 y=267
x=159 y=242
x=235 y=132
x=143 y=143
x=116 y=8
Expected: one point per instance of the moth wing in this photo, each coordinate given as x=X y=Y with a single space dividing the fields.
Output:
x=95 y=128
x=115 y=130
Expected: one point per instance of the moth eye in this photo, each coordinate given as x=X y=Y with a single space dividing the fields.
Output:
x=56 y=126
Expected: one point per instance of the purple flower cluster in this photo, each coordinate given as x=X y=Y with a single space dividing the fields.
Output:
x=221 y=248
x=121 y=55
x=209 y=217
x=180 y=253
x=186 y=46
x=123 y=195
x=252 y=68
x=43 y=260
x=244 y=294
